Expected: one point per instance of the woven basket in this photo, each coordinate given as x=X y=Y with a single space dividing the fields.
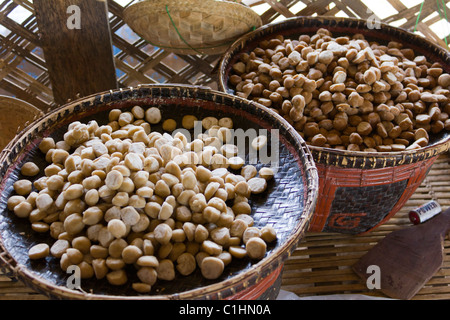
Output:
x=287 y=205
x=15 y=115
x=191 y=26
x=358 y=191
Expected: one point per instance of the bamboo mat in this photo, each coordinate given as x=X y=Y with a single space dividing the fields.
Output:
x=321 y=264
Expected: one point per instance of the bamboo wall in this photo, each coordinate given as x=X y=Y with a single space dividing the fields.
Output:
x=24 y=73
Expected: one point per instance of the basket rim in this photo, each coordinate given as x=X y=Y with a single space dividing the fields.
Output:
x=219 y=289
x=443 y=145
x=438 y=147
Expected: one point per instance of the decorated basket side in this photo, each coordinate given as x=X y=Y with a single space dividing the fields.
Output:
x=288 y=204
x=358 y=191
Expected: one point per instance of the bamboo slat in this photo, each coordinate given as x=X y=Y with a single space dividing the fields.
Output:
x=321 y=264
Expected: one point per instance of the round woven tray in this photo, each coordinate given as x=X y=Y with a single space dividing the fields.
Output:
x=15 y=114
x=191 y=26
x=287 y=205
x=358 y=191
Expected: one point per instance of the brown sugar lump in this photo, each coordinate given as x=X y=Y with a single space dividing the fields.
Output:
x=153 y=115
x=169 y=125
x=249 y=233
x=23 y=209
x=117 y=228
x=39 y=251
x=266 y=173
x=121 y=194
x=46 y=144
x=348 y=83
x=163 y=233
x=117 y=277
x=147 y=275
x=13 y=201
x=29 y=169
x=268 y=234
x=212 y=267
x=256 y=248
x=44 y=201
x=59 y=248
x=237 y=252
x=166 y=270
x=188 y=121
x=23 y=187
x=186 y=263
x=257 y=185
x=114 y=179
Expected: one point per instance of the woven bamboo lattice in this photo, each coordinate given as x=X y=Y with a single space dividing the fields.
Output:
x=321 y=264
x=23 y=71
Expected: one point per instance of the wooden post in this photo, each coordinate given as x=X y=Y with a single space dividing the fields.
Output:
x=76 y=40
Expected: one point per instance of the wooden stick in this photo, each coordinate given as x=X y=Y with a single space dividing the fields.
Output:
x=79 y=58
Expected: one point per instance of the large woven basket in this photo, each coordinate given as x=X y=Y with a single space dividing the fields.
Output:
x=358 y=191
x=287 y=205
x=191 y=26
x=15 y=115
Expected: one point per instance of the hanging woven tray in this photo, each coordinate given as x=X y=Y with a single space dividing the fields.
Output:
x=191 y=26
x=287 y=204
